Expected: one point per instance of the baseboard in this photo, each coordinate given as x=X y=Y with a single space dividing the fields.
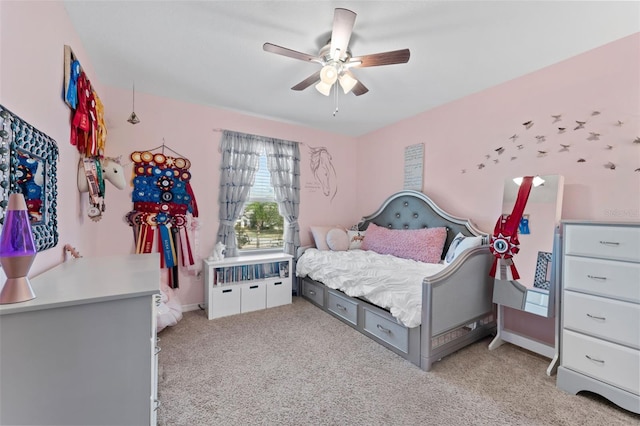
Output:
x=192 y=307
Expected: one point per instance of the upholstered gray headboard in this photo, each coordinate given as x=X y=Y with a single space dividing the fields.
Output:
x=414 y=210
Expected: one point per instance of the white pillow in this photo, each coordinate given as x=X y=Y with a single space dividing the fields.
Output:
x=320 y=236
x=459 y=244
x=337 y=239
x=355 y=239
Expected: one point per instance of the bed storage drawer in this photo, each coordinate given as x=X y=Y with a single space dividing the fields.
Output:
x=343 y=307
x=387 y=330
x=313 y=292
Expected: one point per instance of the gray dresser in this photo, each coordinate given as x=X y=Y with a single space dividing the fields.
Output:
x=600 y=312
x=83 y=352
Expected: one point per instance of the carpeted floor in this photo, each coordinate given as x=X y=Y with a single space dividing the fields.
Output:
x=297 y=365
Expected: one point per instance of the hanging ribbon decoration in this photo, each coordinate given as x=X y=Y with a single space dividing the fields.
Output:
x=504 y=243
x=163 y=203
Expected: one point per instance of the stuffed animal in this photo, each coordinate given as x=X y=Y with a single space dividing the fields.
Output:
x=218 y=252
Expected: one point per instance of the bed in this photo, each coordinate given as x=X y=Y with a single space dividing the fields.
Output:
x=454 y=299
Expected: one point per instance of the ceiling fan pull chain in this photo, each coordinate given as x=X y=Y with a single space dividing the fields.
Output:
x=335 y=88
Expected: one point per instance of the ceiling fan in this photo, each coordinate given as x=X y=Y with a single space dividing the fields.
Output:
x=336 y=59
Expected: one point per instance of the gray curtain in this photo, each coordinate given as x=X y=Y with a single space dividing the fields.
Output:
x=283 y=161
x=240 y=158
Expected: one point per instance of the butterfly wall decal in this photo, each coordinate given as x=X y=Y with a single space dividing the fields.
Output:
x=610 y=166
x=520 y=146
x=499 y=150
x=580 y=125
x=527 y=124
x=541 y=139
x=557 y=118
x=636 y=140
x=609 y=147
x=581 y=160
x=513 y=138
x=480 y=166
x=562 y=130
x=595 y=113
x=542 y=153
x=565 y=148
x=593 y=136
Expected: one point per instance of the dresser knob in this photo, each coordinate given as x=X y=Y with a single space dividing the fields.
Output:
x=610 y=243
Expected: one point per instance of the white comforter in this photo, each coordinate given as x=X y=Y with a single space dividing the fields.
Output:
x=386 y=281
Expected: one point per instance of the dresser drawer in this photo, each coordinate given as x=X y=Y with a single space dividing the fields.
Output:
x=389 y=331
x=313 y=292
x=604 y=361
x=620 y=280
x=343 y=307
x=610 y=242
x=605 y=318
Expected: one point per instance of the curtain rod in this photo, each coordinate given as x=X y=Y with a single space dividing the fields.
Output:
x=253 y=134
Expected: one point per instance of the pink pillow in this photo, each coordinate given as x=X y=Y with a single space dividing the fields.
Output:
x=423 y=245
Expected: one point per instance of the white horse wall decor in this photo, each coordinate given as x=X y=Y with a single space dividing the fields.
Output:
x=91 y=177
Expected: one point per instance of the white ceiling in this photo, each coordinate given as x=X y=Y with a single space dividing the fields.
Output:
x=210 y=52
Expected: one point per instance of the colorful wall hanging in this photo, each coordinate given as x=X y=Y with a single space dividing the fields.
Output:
x=164 y=208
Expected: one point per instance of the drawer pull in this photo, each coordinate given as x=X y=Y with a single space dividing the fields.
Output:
x=253 y=286
x=278 y=283
x=227 y=290
x=339 y=306
x=311 y=292
x=595 y=277
x=610 y=243
x=595 y=317
x=384 y=330
x=601 y=361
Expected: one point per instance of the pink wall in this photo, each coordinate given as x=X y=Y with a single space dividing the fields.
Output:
x=32 y=39
x=458 y=135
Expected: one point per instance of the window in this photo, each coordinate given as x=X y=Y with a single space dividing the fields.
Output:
x=260 y=225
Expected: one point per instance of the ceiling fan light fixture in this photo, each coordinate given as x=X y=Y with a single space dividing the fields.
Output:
x=324 y=88
x=347 y=82
x=329 y=74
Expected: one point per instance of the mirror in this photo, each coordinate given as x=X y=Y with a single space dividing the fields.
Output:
x=28 y=165
x=534 y=291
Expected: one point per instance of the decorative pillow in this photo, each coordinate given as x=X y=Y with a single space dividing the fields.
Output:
x=423 y=245
x=320 y=236
x=355 y=239
x=337 y=239
x=459 y=244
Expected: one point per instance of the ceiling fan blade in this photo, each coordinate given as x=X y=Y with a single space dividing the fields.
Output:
x=359 y=89
x=343 y=21
x=313 y=78
x=279 y=50
x=377 y=59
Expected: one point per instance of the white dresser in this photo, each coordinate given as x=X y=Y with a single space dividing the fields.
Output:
x=83 y=352
x=600 y=311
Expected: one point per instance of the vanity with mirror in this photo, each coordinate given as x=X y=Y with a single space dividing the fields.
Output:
x=28 y=160
x=536 y=290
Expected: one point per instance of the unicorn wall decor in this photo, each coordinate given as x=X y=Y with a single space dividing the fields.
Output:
x=92 y=174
